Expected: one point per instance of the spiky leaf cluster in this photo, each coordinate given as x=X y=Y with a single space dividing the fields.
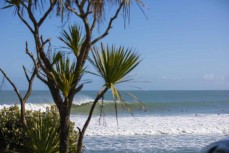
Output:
x=112 y=65
x=72 y=39
x=64 y=73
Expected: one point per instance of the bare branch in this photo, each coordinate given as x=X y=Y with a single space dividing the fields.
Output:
x=29 y=90
x=109 y=25
x=12 y=84
x=3 y=80
x=77 y=3
x=52 y=4
x=73 y=10
x=26 y=74
x=31 y=56
x=94 y=23
x=44 y=42
x=83 y=2
x=30 y=13
x=24 y=21
x=41 y=78
x=79 y=130
x=36 y=66
x=86 y=44
x=88 y=9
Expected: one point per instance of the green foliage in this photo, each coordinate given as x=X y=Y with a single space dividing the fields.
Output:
x=113 y=65
x=65 y=74
x=99 y=8
x=41 y=135
x=73 y=40
x=10 y=128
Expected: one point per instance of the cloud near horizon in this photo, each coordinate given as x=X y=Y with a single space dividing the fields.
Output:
x=212 y=77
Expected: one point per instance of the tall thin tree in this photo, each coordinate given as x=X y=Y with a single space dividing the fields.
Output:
x=53 y=71
x=30 y=79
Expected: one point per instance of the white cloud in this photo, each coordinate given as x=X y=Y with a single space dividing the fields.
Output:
x=208 y=77
x=164 y=77
x=212 y=77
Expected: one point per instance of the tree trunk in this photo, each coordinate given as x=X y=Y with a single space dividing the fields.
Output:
x=80 y=143
x=23 y=120
x=64 y=129
x=81 y=133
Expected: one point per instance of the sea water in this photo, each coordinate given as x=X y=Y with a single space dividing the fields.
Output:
x=153 y=122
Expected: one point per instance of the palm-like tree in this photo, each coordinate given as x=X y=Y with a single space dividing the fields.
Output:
x=64 y=74
x=89 y=13
x=112 y=65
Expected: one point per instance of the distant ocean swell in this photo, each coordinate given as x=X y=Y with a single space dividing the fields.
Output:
x=163 y=112
x=145 y=123
x=155 y=108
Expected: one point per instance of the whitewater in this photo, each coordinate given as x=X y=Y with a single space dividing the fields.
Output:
x=202 y=124
x=171 y=121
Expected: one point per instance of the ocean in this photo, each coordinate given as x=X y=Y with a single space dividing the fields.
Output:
x=159 y=121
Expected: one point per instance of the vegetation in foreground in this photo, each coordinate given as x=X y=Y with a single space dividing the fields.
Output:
x=64 y=78
x=40 y=136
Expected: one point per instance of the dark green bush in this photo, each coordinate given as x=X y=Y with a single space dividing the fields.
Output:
x=41 y=135
x=10 y=129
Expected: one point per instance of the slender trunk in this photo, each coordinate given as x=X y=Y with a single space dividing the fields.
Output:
x=80 y=142
x=64 y=130
x=23 y=120
x=81 y=133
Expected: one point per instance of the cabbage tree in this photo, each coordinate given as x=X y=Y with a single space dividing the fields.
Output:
x=112 y=64
x=89 y=13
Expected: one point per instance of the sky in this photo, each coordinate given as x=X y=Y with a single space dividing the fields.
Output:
x=184 y=45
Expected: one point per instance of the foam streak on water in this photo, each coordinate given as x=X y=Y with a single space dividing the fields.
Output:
x=202 y=124
x=149 y=144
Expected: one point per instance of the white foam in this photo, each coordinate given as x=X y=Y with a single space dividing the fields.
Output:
x=82 y=99
x=29 y=106
x=158 y=125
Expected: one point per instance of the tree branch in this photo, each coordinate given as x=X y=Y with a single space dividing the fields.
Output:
x=109 y=25
x=83 y=2
x=12 y=84
x=36 y=66
x=94 y=23
x=41 y=78
x=26 y=74
x=73 y=11
x=88 y=9
x=29 y=90
x=24 y=21
x=86 y=44
x=44 y=42
x=47 y=12
x=30 y=13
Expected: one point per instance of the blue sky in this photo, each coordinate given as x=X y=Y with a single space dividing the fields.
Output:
x=184 y=45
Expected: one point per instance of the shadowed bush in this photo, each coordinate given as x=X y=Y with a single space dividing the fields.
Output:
x=40 y=136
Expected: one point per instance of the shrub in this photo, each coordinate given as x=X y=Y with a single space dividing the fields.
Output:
x=40 y=136
x=10 y=128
